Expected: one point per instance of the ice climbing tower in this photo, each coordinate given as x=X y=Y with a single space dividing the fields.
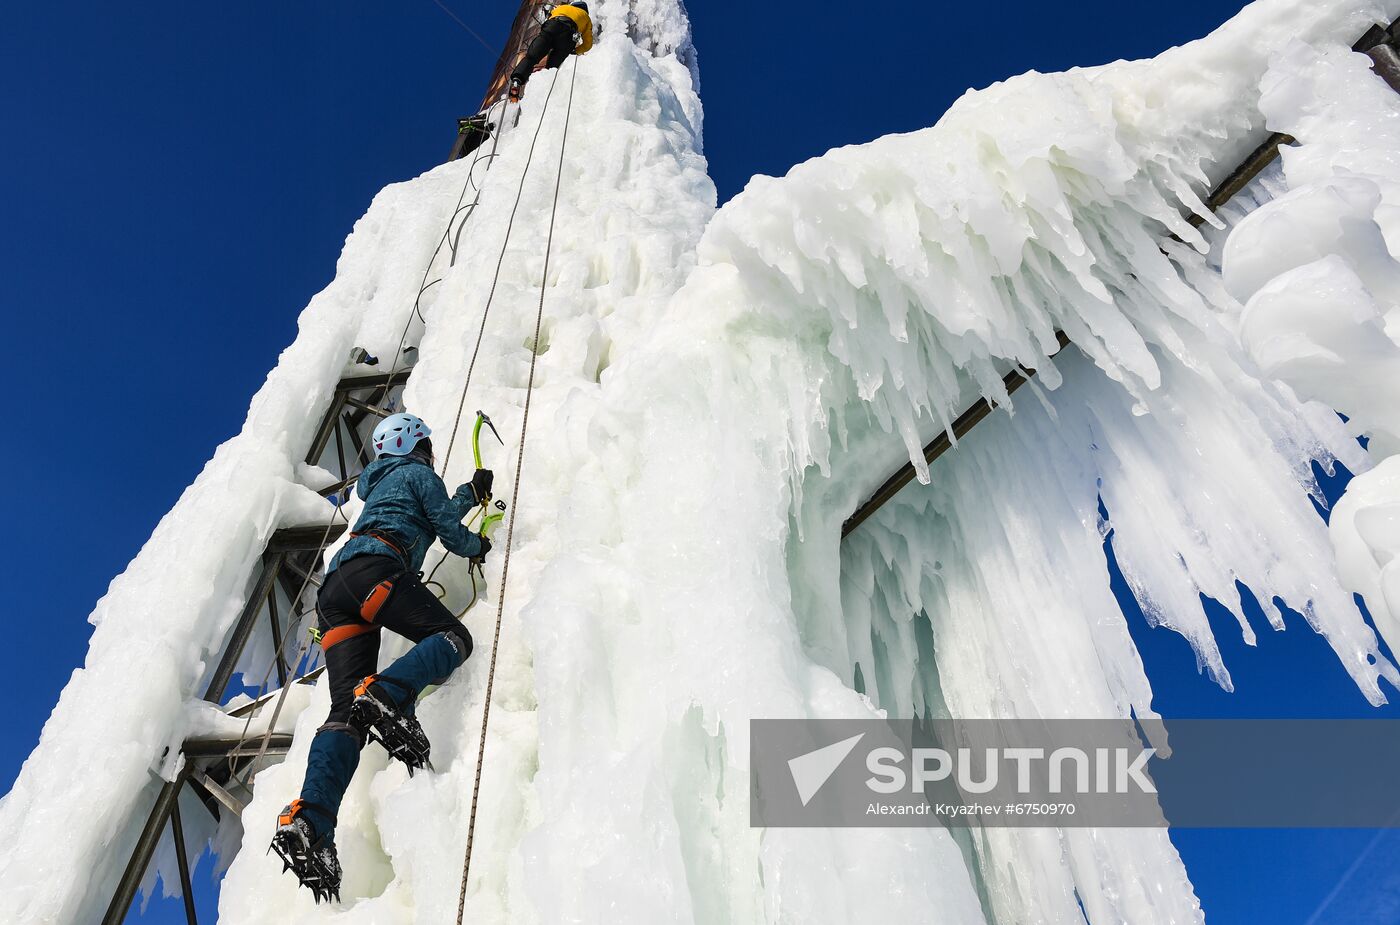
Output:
x=201 y=664
x=706 y=421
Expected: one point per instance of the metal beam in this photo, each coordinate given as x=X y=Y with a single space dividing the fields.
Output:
x=243 y=629
x=1373 y=43
x=177 y=832
x=145 y=847
x=377 y=381
x=940 y=445
x=291 y=587
x=340 y=455
x=288 y=540
x=1374 y=36
x=167 y=808
x=306 y=538
x=277 y=744
x=252 y=706
x=301 y=571
x=294 y=591
x=366 y=407
x=343 y=388
x=277 y=657
x=201 y=779
x=325 y=429
x=334 y=489
x=353 y=429
x=1385 y=62
x=1239 y=178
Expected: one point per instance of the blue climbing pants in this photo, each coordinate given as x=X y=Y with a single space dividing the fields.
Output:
x=410 y=610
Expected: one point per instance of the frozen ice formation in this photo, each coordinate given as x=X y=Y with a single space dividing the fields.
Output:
x=716 y=392
x=1317 y=269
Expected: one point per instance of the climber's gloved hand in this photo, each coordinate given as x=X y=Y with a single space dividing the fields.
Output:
x=485 y=548
x=481 y=485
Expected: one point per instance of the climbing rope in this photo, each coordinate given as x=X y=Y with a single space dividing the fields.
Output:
x=458 y=20
x=490 y=300
x=459 y=211
x=496 y=278
x=514 y=497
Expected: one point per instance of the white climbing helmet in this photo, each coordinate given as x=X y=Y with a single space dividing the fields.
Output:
x=398 y=434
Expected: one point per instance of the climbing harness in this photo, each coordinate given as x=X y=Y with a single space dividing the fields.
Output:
x=370 y=606
x=369 y=609
x=398 y=550
x=515 y=493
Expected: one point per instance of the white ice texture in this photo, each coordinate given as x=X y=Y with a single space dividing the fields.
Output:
x=1318 y=272
x=716 y=393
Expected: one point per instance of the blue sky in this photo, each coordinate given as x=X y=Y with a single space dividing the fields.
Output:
x=177 y=180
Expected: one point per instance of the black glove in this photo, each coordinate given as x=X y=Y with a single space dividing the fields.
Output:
x=481 y=485
x=485 y=547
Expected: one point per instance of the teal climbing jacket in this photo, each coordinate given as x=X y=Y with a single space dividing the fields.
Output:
x=406 y=508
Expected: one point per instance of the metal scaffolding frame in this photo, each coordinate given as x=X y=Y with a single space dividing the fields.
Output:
x=341 y=442
x=203 y=760
x=210 y=765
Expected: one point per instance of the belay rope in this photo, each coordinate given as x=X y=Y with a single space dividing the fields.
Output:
x=496 y=278
x=490 y=300
x=515 y=490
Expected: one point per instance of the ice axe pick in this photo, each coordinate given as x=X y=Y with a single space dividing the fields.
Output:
x=491 y=517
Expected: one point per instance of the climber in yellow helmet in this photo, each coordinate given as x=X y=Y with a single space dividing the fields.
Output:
x=566 y=31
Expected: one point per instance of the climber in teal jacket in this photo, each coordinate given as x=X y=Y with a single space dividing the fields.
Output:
x=406 y=508
x=375 y=583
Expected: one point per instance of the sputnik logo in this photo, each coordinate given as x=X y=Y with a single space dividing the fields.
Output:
x=812 y=770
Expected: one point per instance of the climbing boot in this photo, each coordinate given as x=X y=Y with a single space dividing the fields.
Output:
x=380 y=718
x=307 y=853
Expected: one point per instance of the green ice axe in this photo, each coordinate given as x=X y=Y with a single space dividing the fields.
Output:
x=481 y=418
x=492 y=518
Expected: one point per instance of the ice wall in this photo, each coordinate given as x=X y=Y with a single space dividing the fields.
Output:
x=986 y=592
x=879 y=288
x=832 y=307
x=1316 y=270
x=162 y=623
x=707 y=411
